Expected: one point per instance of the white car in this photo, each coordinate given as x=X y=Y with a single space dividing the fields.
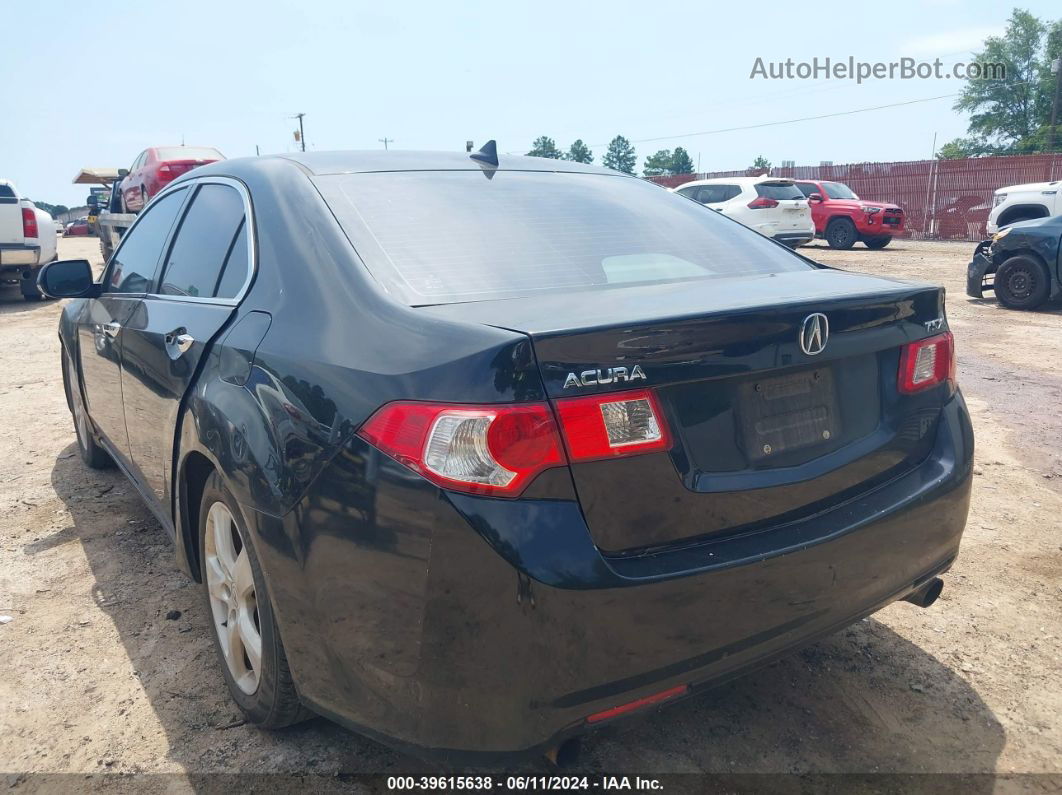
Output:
x=26 y=241
x=772 y=206
x=1023 y=203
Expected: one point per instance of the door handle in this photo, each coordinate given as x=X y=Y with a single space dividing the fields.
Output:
x=178 y=341
x=184 y=342
x=111 y=329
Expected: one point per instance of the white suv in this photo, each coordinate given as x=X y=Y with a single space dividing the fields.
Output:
x=1023 y=203
x=772 y=206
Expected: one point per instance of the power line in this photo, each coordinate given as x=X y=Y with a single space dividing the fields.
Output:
x=787 y=121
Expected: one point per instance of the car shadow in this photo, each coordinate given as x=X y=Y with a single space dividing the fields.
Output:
x=1053 y=307
x=864 y=700
x=12 y=302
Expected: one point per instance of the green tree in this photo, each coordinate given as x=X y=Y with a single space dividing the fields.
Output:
x=620 y=155
x=658 y=164
x=681 y=162
x=544 y=146
x=51 y=209
x=966 y=147
x=1011 y=116
x=761 y=163
x=579 y=152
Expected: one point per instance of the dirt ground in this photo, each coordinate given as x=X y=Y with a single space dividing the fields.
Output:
x=95 y=678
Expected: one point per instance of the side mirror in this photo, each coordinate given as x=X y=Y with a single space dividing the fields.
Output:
x=68 y=278
x=815 y=198
x=123 y=173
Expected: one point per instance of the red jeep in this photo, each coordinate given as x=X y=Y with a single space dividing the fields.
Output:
x=843 y=218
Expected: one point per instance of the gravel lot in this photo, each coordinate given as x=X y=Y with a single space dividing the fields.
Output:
x=95 y=678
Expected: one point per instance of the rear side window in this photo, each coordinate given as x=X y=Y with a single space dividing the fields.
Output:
x=774 y=190
x=133 y=265
x=435 y=237
x=807 y=188
x=200 y=252
x=7 y=195
x=712 y=194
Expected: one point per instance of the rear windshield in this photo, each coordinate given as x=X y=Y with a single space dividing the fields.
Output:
x=437 y=237
x=8 y=193
x=188 y=153
x=773 y=190
x=838 y=190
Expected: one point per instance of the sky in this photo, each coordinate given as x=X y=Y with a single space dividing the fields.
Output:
x=94 y=84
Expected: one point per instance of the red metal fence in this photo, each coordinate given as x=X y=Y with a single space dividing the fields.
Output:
x=943 y=199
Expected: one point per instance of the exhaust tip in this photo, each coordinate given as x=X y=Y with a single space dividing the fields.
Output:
x=566 y=754
x=927 y=594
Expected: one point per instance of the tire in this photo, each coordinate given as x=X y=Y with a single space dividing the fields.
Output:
x=241 y=615
x=841 y=234
x=94 y=456
x=878 y=242
x=32 y=297
x=1022 y=282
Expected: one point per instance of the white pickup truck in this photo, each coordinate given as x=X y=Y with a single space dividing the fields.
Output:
x=27 y=241
x=1023 y=203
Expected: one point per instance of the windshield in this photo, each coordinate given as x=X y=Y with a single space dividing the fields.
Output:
x=838 y=190
x=433 y=237
x=168 y=153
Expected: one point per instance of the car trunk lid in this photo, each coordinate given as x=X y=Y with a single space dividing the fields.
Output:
x=763 y=432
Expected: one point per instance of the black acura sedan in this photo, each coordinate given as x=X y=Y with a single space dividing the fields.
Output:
x=473 y=457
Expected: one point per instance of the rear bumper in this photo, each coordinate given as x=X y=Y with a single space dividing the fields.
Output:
x=795 y=238
x=507 y=628
x=18 y=255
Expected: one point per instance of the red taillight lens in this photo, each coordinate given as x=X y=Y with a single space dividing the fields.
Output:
x=762 y=203
x=165 y=173
x=623 y=709
x=609 y=426
x=493 y=450
x=29 y=222
x=926 y=363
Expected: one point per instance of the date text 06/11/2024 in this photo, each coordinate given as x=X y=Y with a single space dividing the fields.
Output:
x=522 y=783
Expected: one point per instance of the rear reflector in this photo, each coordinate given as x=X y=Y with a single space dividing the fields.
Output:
x=492 y=450
x=29 y=222
x=608 y=426
x=623 y=709
x=926 y=363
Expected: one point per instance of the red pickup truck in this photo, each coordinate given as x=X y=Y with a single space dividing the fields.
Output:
x=842 y=218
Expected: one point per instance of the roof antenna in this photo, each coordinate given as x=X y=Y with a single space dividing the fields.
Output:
x=487 y=155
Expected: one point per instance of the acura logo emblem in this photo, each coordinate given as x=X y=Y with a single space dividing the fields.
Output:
x=814 y=332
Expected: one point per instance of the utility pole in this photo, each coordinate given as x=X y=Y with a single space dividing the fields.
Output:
x=302 y=135
x=1056 y=69
x=385 y=141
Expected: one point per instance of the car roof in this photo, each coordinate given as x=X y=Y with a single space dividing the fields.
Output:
x=360 y=162
x=744 y=182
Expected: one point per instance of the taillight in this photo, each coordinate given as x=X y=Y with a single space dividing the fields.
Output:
x=762 y=203
x=492 y=450
x=29 y=222
x=165 y=173
x=926 y=363
x=612 y=425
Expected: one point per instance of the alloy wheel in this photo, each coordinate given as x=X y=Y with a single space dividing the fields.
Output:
x=233 y=600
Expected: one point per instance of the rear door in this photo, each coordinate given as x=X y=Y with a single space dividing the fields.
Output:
x=206 y=270
x=102 y=325
x=791 y=213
